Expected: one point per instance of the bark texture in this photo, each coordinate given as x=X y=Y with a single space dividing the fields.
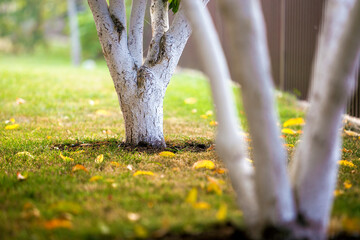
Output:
x=140 y=83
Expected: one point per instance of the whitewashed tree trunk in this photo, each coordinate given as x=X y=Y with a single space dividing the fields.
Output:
x=315 y=165
x=74 y=33
x=140 y=84
x=303 y=212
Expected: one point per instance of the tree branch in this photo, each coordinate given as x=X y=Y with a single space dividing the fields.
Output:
x=136 y=30
x=230 y=145
x=250 y=56
x=112 y=35
x=159 y=25
x=315 y=164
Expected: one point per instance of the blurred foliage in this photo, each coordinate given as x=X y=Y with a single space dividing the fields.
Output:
x=23 y=21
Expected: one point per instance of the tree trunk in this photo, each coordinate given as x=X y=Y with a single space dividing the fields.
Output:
x=142 y=109
x=74 y=33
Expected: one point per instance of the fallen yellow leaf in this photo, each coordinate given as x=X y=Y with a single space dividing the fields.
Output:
x=288 y=145
x=66 y=159
x=192 y=196
x=201 y=205
x=190 y=100
x=167 y=154
x=12 y=126
x=102 y=112
x=100 y=158
x=48 y=137
x=115 y=164
x=215 y=188
x=213 y=123
x=346 y=163
x=12 y=120
x=338 y=193
x=137 y=173
x=351 y=133
x=220 y=170
x=25 y=154
x=204 y=116
x=222 y=212
x=57 y=223
x=79 y=167
x=288 y=131
x=140 y=231
x=204 y=164
x=347 y=184
x=294 y=122
x=209 y=113
x=95 y=178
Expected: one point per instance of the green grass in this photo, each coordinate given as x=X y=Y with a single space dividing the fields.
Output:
x=58 y=117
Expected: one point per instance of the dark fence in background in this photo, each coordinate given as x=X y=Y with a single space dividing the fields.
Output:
x=292 y=30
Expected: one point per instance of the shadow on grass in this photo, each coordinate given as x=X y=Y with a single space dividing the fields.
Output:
x=172 y=146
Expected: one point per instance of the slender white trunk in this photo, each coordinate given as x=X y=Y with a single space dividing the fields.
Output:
x=250 y=55
x=74 y=33
x=315 y=165
x=229 y=144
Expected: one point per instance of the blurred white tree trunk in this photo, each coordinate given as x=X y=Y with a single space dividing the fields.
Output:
x=74 y=33
x=140 y=83
x=280 y=212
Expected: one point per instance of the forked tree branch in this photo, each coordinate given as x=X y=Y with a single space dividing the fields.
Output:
x=136 y=30
x=159 y=25
x=112 y=36
x=315 y=165
x=249 y=54
x=230 y=145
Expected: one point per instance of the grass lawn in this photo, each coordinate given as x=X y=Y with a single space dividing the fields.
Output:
x=74 y=113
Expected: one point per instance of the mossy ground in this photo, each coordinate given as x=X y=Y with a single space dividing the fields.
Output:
x=75 y=112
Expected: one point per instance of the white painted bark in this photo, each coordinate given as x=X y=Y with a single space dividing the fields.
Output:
x=140 y=87
x=246 y=27
x=74 y=33
x=315 y=165
x=229 y=144
x=136 y=30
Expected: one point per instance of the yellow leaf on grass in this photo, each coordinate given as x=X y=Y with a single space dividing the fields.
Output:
x=115 y=164
x=12 y=120
x=338 y=193
x=351 y=133
x=222 y=212
x=102 y=112
x=79 y=167
x=137 y=173
x=204 y=116
x=213 y=123
x=201 y=205
x=346 y=163
x=12 y=126
x=209 y=113
x=192 y=196
x=215 y=188
x=57 y=223
x=140 y=231
x=220 y=170
x=290 y=131
x=347 y=184
x=100 y=158
x=95 y=178
x=190 y=100
x=25 y=154
x=294 y=122
x=288 y=145
x=167 y=154
x=204 y=164
x=66 y=159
